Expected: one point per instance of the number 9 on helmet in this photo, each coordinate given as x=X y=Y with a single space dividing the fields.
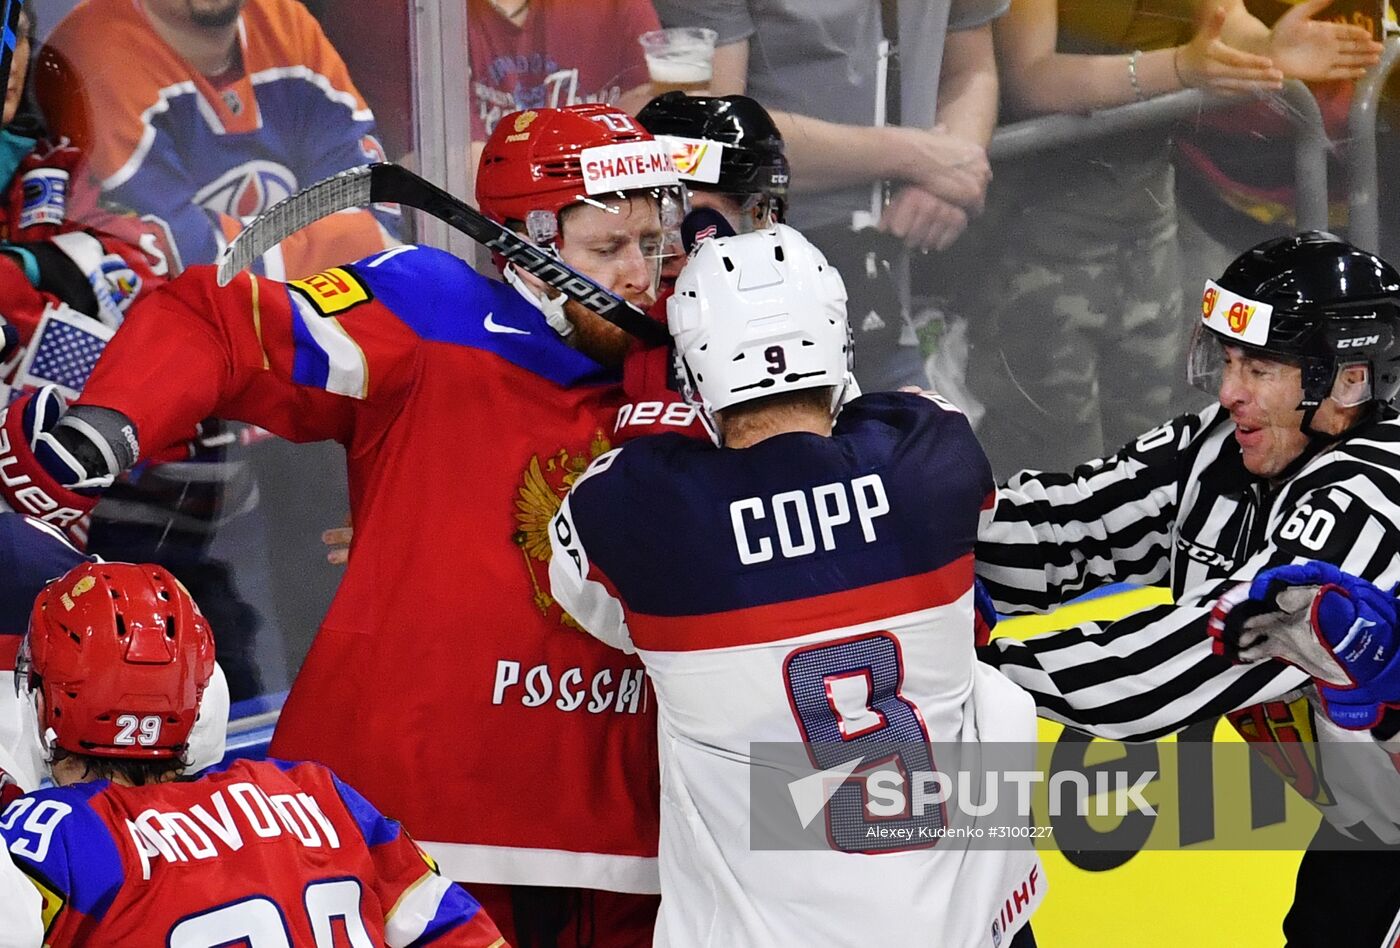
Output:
x=117 y=659
x=757 y=315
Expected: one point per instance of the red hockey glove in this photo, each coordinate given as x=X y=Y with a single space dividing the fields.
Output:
x=10 y=790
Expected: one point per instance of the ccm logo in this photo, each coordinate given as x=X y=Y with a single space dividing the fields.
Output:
x=1357 y=342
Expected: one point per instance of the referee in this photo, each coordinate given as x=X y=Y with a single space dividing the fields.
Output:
x=1299 y=461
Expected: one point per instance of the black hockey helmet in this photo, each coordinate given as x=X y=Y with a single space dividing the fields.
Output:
x=751 y=158
x=1310 y=298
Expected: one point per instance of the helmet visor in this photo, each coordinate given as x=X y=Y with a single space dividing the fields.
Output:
x=608 y=235
x=1205 y=360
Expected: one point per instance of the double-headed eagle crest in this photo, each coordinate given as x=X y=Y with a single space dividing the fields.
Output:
x=539 y=497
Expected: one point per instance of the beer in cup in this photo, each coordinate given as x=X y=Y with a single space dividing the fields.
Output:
x=680 y=57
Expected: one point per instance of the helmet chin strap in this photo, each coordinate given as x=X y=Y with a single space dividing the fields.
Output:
x=553 y=309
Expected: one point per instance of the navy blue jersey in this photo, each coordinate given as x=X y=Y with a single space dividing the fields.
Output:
x=31 y=554
x=883 y=514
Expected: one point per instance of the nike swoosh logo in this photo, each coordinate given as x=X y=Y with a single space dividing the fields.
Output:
x=492 y=326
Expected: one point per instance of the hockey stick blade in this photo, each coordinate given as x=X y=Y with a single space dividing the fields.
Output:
x=388 y=183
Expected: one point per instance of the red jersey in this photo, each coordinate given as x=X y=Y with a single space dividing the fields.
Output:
x=565 y=52
x=262 y=853
x=445 y=682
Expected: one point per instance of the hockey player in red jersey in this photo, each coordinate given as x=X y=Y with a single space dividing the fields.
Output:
x=467 y=406
x=125 y=853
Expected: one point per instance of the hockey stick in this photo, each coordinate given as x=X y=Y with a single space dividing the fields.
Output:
x=388 y=183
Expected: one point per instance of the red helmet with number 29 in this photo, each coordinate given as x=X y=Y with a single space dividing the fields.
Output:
x=118 y=657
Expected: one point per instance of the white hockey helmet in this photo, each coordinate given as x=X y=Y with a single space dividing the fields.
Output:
x=759 y=314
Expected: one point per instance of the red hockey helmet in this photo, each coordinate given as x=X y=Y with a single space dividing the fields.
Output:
x=540 y=161
x=119 y=657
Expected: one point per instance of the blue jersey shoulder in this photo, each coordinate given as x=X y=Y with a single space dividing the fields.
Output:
x=31 y=554
x=444 y=300
x=683 y=528
x=57 y=838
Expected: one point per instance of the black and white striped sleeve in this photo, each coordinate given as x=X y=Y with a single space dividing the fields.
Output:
x=1147 y=675
x=1055 y=536
x=1152 y=673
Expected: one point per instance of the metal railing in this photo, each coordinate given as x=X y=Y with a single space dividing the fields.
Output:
x=1311 y=144
x=1363 y=198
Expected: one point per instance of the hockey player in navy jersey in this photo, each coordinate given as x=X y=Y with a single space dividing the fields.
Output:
x=811 y=575
x=31 y=554
x=118 y=662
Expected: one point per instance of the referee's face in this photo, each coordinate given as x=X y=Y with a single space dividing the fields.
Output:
x=1262 y=396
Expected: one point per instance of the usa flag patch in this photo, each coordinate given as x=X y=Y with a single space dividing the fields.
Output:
x=63 y=352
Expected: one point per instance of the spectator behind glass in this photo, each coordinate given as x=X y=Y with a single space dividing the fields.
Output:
x=231 y=106
x=537 y=54
x=1236 y=165
x=203 y=113
x=1077 y=328
x=47 y=261
x=813 y=64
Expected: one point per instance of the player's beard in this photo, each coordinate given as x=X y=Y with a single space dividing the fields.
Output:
x=595 y=337
x=214 y=14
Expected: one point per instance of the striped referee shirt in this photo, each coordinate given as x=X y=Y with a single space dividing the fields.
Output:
x=1178 y=507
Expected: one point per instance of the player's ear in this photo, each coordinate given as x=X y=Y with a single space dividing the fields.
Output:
x=1353 y=386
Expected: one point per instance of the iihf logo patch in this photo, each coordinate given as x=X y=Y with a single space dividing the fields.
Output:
x=45 y=197
x=996 y=933
x=232 y=101
x=123 y=282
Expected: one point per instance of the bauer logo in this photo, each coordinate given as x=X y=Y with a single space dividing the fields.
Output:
x=332 y=291
x=45 y=197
